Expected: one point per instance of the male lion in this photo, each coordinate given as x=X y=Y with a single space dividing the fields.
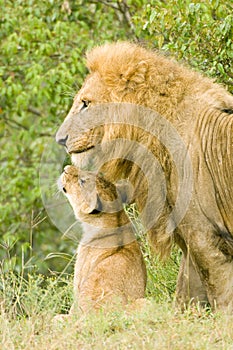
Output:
x=109 y=263
x=202 y=113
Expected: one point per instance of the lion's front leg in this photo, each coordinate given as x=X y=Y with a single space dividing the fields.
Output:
x=190 y=288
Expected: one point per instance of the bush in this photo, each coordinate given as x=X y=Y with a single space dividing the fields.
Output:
x=199 y=32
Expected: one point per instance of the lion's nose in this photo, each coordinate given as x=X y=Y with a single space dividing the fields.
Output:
x=62 y=141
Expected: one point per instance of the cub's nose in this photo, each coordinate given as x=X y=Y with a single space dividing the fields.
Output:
x=61 y=141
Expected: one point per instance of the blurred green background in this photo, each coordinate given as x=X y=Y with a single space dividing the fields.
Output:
x=42 y=65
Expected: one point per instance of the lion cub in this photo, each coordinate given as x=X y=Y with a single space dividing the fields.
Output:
x=109 y=265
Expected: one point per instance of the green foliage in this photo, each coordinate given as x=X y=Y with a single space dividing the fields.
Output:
x=199 y=32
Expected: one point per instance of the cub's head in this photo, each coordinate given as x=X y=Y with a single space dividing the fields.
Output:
x=89 y=193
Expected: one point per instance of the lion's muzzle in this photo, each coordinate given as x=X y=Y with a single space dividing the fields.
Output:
x=61 y=141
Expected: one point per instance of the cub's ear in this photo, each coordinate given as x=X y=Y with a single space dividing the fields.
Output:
x=125 y=191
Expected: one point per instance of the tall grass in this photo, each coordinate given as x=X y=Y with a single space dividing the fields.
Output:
x=161 y=275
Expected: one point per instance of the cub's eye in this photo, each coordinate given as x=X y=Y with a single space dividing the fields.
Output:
x=64 y=189
x=81 y=182
x=85 y=104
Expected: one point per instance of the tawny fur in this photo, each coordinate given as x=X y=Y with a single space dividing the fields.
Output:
x=202 y=113
x=109 y=267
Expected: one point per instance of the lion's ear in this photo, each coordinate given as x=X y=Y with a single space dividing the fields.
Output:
x=134 y=74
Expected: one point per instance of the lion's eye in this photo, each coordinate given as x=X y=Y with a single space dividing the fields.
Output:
x=85 y=104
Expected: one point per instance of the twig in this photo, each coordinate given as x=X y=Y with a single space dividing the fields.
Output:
x=34 y=111
x=121 y=7
x=107 y=3
x=14 y=124
x=124 y=8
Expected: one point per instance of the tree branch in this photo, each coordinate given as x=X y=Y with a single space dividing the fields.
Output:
x=106 y=3
x=124 y=8
x=14 y=124
x=34 y=111
x=119 y=6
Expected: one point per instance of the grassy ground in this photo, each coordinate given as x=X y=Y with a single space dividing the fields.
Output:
x=155 y=326
x=28 y=307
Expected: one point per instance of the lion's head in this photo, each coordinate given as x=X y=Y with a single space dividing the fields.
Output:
x=126 y=72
